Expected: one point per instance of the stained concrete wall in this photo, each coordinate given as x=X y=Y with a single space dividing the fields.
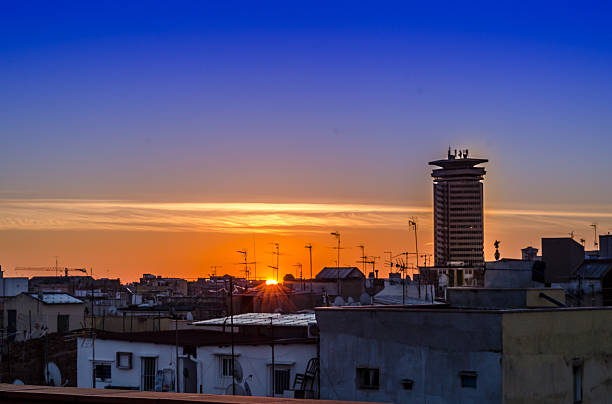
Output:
x=489 y=298
x=428 y=347
x=540 y=348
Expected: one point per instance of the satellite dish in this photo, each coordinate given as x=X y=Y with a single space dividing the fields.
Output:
x=443 y=280
x=238 y=373
x=112 y=310
x=18 y=381
x=365 y=299
x=239 y=390
x=338 y=301
x=53 y=376
x=189 y=316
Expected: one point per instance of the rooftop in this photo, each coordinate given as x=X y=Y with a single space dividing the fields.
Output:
x=264 y=319
x=594 y=269
x=15 y=393
x=333 y=273
x=55 y=298
x=191 y=337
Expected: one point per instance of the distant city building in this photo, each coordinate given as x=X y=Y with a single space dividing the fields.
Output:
x=12 y=286
x=562 y=257
x=605 y=246
x=530 y=254
x=458 y=210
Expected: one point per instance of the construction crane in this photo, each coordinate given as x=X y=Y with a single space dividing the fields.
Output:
x=55 y=269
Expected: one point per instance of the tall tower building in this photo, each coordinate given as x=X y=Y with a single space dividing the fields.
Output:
x=458 y=210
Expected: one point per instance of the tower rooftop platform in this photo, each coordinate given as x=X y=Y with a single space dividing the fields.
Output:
x=457 y=163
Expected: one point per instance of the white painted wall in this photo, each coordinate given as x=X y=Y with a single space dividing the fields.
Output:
x=106 y=350
x=255 y=362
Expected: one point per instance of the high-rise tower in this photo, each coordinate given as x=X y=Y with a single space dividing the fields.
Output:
x=458 y=210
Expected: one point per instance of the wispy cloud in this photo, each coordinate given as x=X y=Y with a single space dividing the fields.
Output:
x=228 y=217
x=234 y=217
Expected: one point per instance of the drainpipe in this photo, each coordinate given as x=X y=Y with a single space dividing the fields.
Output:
x=198 y=373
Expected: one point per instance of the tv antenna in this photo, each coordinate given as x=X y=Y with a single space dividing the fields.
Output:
x=594 y=226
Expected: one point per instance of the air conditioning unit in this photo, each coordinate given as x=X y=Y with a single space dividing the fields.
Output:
x=313 y=330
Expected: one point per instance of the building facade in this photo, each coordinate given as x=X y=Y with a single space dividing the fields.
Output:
x=31 y=315
x=263 y=366
x=458 y=210
x=450 y=355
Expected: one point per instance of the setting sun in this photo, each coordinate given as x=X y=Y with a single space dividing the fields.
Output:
x=271 y=282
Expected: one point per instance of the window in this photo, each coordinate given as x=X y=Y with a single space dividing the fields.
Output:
x=281 y=380
x=225 y=366
x=148 y=371
x=102 y=370
x=124 y=360
x=63 y=323
x=468 y=379
x=368 y=378
x=577 y=370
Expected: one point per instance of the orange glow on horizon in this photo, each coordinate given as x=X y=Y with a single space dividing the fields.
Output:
x=271 y=282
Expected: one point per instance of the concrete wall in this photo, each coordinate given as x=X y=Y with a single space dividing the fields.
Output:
x=13 y=286
x=33 y=316
x=488 y=298
x=428 y=347
x=539 y=351
x=255 y=361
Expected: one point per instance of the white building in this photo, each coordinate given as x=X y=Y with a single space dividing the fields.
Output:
x=266 y=359
x=12 y=286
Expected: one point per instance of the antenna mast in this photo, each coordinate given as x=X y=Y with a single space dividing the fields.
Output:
x=309 y=246
x=594 y=226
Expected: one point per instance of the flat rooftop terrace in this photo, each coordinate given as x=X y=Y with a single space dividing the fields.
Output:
x=14 y=393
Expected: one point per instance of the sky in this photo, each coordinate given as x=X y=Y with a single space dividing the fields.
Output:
x=162 y=137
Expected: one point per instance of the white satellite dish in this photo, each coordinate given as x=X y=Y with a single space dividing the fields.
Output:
x=53 y=376
x=112 y=310
x=189 y=316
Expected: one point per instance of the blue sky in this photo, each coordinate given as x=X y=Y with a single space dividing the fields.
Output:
x=157 y=99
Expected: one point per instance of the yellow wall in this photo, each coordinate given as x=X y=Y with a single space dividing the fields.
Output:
x=533 y=298
x=539 y=348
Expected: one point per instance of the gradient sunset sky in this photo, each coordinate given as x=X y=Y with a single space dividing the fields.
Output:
x=161 y=137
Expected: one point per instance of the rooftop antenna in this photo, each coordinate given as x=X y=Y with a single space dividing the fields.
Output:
x=246 y=263
x=594 y=226
x=336 y=234
x=309 y=247
x=496 y=245
x=277 y=253
x=389 y=263
x=254 y=259
x=214 y=268
x=412 y=223
x=571 y=234
x=363 y=258
x=582 y=241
